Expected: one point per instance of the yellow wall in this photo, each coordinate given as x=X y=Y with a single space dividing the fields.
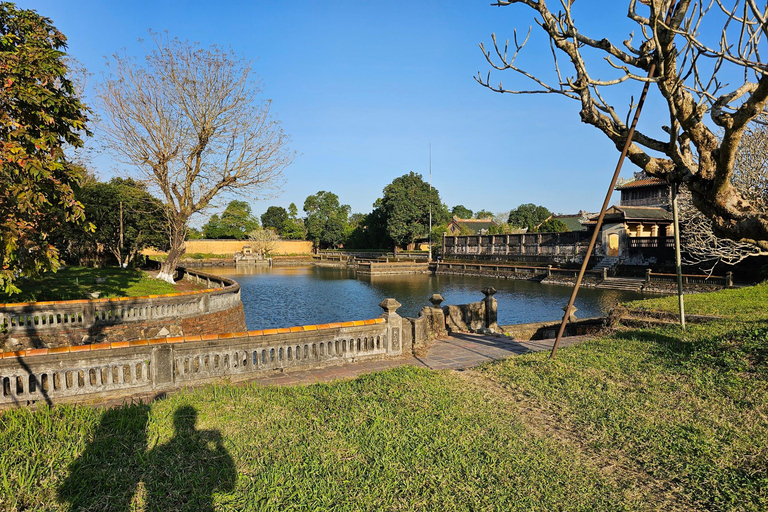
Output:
x=230 y=247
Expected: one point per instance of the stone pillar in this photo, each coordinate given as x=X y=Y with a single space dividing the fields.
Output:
x=549 y=270
x=437 y=326
x=605 y=272
x=162 y=366
x=647 y=275
x=729 y=279
x=491 y=309
x=394 y=326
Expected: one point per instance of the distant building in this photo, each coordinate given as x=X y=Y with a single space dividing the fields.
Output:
x=473 y=226
x=645 y=191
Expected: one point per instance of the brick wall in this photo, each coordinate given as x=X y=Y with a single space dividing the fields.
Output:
x=230 y=247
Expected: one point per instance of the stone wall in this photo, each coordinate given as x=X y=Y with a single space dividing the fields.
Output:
x=230 y=247
x=217 y=308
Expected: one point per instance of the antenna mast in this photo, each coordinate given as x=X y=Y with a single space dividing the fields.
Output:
x=430 y=202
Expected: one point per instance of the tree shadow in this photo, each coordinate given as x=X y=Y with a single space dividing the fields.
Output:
x=182 y=474
x=105 y=477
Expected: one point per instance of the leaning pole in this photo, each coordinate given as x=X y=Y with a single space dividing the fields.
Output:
x=599 y=224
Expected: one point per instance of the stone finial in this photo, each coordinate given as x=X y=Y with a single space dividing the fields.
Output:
x=572 y=315
x=436 y=299
x=488 y=292
x=389 y=305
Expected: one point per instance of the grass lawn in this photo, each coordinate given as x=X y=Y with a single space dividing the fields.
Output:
x=645 y=419
x=71 y=283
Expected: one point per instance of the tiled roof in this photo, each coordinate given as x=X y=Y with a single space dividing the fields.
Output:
x=642 y=182
x=636 y=213
x=571 y=221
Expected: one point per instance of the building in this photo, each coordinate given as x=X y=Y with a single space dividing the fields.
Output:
x=459 y=226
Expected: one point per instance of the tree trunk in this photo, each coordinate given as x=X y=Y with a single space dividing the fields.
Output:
x=178 y=248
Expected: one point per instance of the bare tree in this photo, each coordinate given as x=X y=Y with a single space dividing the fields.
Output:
x=191 y=121
x=699 y=243
x=263 y=240
x=691 y=74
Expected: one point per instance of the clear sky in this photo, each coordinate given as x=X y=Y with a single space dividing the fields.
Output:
x=364 y=87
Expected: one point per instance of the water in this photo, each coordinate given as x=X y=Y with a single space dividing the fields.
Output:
x=306 y=295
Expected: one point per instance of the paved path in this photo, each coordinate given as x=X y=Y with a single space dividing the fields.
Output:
x=455 y=352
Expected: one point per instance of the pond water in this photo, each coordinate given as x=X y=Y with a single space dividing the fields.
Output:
x=306 y=295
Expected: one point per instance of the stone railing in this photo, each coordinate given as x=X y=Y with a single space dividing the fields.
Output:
x=47 y=320
x=130 y=368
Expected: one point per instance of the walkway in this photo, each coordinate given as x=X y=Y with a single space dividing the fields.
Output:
x=456 y=352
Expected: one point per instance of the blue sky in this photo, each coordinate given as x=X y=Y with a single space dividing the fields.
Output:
x=364 y=87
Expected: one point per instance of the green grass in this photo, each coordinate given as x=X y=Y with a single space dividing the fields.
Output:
x=644 y=419
x=71 y=283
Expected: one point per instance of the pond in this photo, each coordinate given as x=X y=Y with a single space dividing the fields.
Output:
x=306 y=295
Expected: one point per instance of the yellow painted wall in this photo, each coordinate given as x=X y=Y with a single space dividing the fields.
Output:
x=230 y=247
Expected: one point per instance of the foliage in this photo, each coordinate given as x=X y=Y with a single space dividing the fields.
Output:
x=708 y=70
x=235 y=222
x=191 y=121
x=275 y=218
x=461 y=212
x=528 y=216
x=370 y=231
x=40 y=116
x=406 y=206
x=483 y=214
x=294 y=228
x=74 y=283
x=106 y=205
x=326 y=219
x=552 y=226
x=194 y=234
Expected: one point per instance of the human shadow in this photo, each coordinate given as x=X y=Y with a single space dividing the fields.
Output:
x=106 y=476
x=185 y=472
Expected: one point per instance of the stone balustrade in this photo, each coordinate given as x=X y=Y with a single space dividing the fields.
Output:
x=128 y=368
x=52 y=324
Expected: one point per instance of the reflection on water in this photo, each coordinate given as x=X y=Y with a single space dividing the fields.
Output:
x=287 y=296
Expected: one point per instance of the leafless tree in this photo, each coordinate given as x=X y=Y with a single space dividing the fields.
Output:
x=264 y=241
x=698 y=47
x=699 y=243
x=191 y=121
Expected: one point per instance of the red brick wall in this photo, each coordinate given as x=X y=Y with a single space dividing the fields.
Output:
x=231 y=320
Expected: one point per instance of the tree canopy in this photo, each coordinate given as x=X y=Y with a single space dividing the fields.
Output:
x=40 y=116
x=191 y=121
x=483 y=214
x=706 y=78
x=326 y=219
x=275 y=218
x=528 y=216
x=235 y=222
x=406 y=206
x=461 y=212
x=126 y=219
x=294 y=228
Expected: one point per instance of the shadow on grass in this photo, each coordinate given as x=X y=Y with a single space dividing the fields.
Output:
x=742 y=348
x=75 y=283
x=182 y=474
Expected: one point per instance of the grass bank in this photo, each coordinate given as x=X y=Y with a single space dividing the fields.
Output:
x=72 y=283
x=646 y=419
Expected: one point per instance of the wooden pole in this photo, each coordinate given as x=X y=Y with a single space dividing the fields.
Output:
x=678 y=263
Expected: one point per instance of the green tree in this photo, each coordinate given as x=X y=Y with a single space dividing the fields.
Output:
x=194 y=234
x=235 y=222
x=326 y=219
x=294 y=227
x=528 y=216
x=461 y=212
x=370 y=231
x=406 y=207
x=552 y=226
x=483 y=214
x=40 y=116
x=126 y=219
x=275 y=218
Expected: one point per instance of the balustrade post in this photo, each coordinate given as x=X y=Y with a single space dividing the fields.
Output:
x=647 y=275
x=729 y=279
x=394 y=326
x=491 y=309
